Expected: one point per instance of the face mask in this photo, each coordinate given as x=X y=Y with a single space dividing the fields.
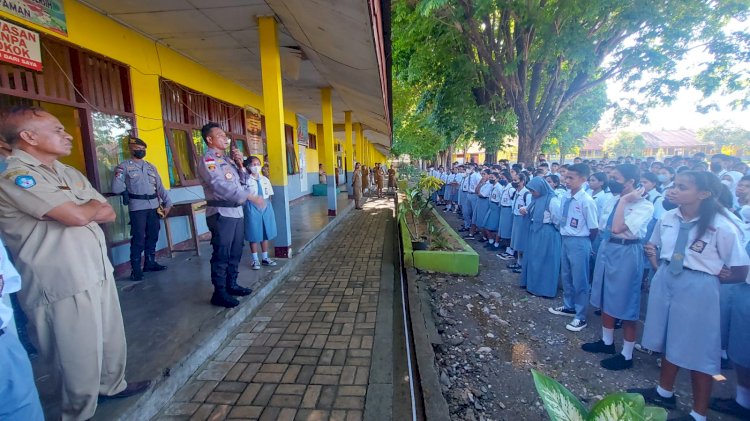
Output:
x=615 y=187
x=503 y=182
x=139 y=154
x=255 y=169
x=515 y=184
x=662 y=178
x=493 y=181
x=715 y=167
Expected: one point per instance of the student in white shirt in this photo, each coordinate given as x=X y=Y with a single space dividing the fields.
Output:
x=19 y=399
x=698 y=246
x=505 y=228
x=743 y=198
x=492 y=220
x=579 y=223
x=520 y=230
x=543 y=244
x=260 y=224
x=618 y=271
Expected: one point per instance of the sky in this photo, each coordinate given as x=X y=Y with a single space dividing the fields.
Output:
x=682 y=113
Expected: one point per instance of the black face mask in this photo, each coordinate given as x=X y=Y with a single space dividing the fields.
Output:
x=139 y=154
x=716 y=167
x=515 y=184
x=493 y=181
x=503 y=182
x=615 y=187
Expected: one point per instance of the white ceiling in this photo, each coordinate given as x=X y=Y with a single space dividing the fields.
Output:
x=336 y=37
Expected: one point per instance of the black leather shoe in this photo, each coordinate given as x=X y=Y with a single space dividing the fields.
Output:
x=599 y=347
x=133 y=388
x=239 y=291
x=651 y=396
x=136 y=275
x=150 y=265
x=616 y=363
x=222 y=299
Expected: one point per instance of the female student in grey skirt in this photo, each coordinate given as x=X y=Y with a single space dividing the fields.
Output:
x=260 y=224
x=695 y=247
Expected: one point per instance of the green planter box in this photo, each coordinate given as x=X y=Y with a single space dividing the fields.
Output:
x=463 y=262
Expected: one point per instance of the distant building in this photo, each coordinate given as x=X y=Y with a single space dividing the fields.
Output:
x=658 y=144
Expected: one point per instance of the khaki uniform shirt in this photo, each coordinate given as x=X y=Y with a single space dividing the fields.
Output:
x=56 y=261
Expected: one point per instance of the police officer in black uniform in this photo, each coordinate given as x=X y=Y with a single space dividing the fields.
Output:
x=146 y=197
x=224 y=181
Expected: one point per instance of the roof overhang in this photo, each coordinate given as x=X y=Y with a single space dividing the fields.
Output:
x=340 y=44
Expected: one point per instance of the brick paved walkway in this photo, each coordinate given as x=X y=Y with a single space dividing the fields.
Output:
x=308 y=352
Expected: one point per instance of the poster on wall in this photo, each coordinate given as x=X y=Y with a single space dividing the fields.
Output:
x=302 y=138
x=254 y=129
x=45 y=13
x=20 y=46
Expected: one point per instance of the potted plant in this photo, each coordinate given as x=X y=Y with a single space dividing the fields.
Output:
x=562 y=405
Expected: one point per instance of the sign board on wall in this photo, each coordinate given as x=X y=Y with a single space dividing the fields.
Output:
x=20 y=46
x=45 y=13
x=254 y=129
x=302 y=137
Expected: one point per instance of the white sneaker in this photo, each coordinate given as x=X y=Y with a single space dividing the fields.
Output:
x=268 y=262
x=255 y=265
x=562 y=311
x=576 y=325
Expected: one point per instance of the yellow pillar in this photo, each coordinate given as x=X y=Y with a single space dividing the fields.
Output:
x=349 y=152
x=360 y=141
x=329 y=160
x=273 y=101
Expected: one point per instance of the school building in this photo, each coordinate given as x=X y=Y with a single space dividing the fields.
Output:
x=297 y=83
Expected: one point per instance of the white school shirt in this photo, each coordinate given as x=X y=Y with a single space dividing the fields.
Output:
x=465 y=183
x=657 y=200
x=745 y=214
x=522 y=200
x=486 y=189
x=582 y=215
x=457 y=179
x=600 y=199
x=497 y=192
x=11 y=283
x=637 y=215
x=444 y=177
x=265 y=184
x=552 y=211
x=720 y=246
x=450 y=178
x=474 y=179
x=506 y=197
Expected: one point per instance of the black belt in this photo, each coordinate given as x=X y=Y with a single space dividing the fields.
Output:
x=142 y=196
x=222 y=204
x=623 y=241
x=503 y=206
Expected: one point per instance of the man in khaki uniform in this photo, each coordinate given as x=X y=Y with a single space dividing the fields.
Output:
x=49 y=216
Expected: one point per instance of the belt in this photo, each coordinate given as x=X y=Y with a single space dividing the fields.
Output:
x=623 y=241
x=222 y=204
x=504 y=206
x=142 y=196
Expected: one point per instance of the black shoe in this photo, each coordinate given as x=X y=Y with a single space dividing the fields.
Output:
x=599 y=347
x=618 y=324
x=653 y=397
x=731 y=407
x=133 y=388
x=517 y=270
x=616 y=363
x=136 y=275
x=239 y=291
x=598 y=312
x=222 y=299
x=726 y=364
x=514 y=266
x=150 y=265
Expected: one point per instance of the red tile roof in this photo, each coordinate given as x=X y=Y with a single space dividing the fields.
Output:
x=654 y=140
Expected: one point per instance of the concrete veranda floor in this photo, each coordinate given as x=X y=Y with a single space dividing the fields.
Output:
x=170 y=325
x=320 y=347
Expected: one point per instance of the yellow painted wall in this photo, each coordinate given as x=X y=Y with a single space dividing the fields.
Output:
x=148 y=61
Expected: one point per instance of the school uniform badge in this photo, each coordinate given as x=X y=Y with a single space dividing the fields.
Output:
x=574 y=222
x=25 y=181
x=698 y=246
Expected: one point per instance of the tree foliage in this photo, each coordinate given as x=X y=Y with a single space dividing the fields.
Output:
x=438 y=91
x=725 y=137
x=540 y=56
x=625 y=144
x=577 y=122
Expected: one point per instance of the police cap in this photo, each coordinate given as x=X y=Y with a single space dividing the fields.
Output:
x=136 y=141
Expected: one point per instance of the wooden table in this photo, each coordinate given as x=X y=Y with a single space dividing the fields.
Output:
x=188 y=208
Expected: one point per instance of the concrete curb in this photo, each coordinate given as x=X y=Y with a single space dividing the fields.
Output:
x=149 y=404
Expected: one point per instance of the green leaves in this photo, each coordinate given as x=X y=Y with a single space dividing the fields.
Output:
x=562 y=405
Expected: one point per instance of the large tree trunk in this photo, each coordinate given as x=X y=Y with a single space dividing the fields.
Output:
x=528 y=147
x=490 y=157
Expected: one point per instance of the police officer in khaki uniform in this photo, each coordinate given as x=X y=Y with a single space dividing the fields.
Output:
x=145 y=196
x=49 y=216
x=224 y=183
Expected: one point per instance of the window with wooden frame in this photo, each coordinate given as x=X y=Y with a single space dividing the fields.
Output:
x=312 y=142
x=185 y=111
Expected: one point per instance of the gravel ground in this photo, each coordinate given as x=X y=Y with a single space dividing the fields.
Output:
x=494 y=333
